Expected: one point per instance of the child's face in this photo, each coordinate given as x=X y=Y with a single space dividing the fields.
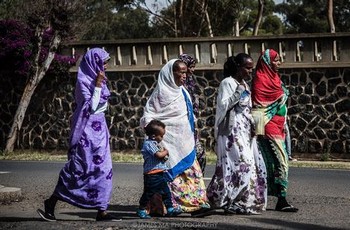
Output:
x=159 y=137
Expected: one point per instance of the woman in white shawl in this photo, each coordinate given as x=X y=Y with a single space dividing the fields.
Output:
x=170 y=102
x=239 y=183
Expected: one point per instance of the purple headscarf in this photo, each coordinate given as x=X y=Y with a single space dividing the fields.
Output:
x=91 y=64
x=187 y=59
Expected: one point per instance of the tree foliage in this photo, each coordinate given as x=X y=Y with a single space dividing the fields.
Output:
x=310 y=16
x=17 y=41
x=50 y=22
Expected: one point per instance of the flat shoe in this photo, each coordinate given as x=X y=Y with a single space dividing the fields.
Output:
x=229 y=211
x=46 y=216
x=107 y=217
x=289 y=208
x=202 y=212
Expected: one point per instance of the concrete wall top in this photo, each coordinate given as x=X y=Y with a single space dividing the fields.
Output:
x=297 y=50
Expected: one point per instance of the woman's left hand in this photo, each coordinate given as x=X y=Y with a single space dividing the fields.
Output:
x=99 y=79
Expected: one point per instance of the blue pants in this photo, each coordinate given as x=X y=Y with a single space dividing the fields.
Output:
x=152 y=184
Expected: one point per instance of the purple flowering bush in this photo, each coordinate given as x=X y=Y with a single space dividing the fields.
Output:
x=18 y=47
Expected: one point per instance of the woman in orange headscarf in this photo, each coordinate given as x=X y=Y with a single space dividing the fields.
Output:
x=270 y=111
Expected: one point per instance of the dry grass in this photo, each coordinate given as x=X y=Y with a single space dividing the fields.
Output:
x=136 y=157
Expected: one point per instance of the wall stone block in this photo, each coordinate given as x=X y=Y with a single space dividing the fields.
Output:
x=314 y=146
x=315 y=77
x=338 y=124
x=343 y=106
x=302 y=144
x=338 y=147
x=324 y=125
x=321 y=111
x=320 y=133
x=315 y=100
x=301 y=124
x=345 y=133
x=307 y=116
x=346 y=118
x=308 y=89
x=333 y=83
x=321 y=89
x=294 y=79
x=304 y=99
x=332 y=134
x=330 y=108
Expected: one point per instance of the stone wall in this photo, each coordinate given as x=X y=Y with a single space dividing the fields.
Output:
x=319 y=107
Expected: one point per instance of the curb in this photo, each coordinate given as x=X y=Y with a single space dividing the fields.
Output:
x=9 y=194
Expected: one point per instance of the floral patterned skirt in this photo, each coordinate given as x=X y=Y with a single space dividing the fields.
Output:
x=188 y=189
x=239 y=181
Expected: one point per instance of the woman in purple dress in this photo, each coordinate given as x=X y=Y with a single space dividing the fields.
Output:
x=86 y=179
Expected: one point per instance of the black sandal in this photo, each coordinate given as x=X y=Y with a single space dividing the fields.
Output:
x=289 y=208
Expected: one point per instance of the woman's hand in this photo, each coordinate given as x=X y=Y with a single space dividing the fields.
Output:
x=99 y=79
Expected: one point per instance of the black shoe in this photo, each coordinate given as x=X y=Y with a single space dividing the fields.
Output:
x=204 y=211
x=288 y=208
x=283 y=206
x=235 y=209
x=229 y=210
x=46 y=216
x=107 y=217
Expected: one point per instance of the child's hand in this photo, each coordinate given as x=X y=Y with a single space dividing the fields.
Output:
x=166 y=157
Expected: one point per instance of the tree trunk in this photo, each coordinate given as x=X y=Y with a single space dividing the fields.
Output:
x=181 y=19
x=211 y=34
x=236 y=28
x=330 y=16
x=28 y=93
x=204 y=17
x=259 y=17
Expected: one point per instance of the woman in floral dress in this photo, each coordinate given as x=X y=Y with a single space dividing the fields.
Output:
x=239 y=183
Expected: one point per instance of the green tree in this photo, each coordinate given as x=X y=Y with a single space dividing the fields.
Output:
x=97 y=17
x=185 y=18
x=310 y=16
x=108 y=20
x=138 y=27
x=341 y=14
x=272 y=25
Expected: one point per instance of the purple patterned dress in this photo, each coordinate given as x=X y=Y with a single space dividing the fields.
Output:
x=86 y=179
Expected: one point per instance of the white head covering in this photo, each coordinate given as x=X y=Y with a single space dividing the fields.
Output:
x=170 y=104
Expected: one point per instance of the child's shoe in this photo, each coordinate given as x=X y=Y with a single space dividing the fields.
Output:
x=173 y=211
x=143 y=214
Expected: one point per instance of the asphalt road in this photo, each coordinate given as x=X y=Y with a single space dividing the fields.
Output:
x=322 y=195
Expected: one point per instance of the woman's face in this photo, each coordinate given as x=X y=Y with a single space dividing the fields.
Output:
x=275 y=64
x=180 y=74
x=190 y=69
x=247 y=69
x=105 y=64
